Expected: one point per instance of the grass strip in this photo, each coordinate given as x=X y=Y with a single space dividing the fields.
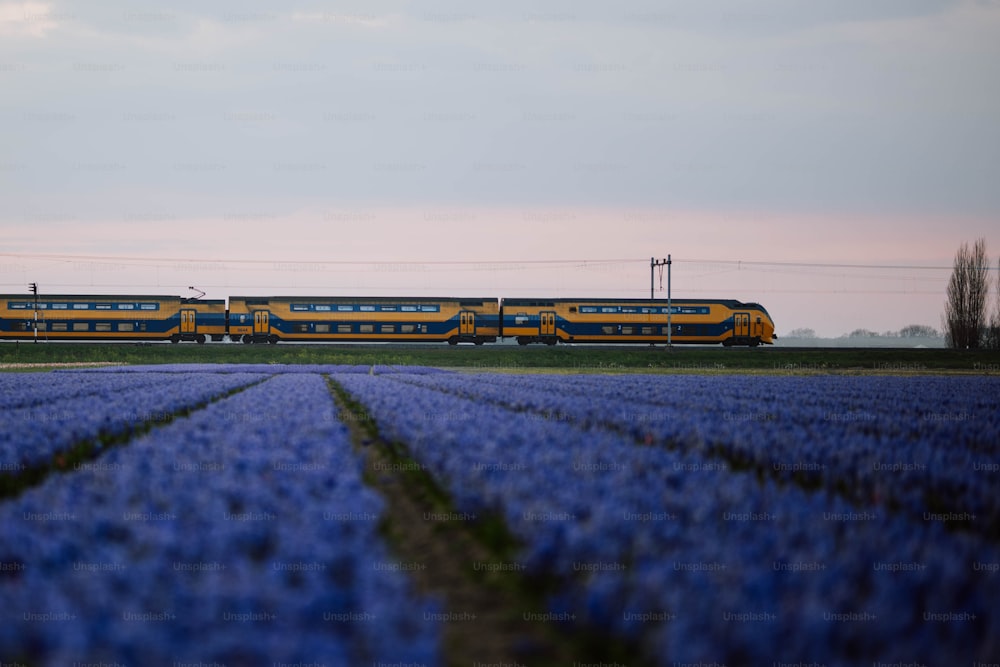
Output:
x=567 y=358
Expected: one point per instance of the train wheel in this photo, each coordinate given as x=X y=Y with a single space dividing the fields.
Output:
x=522 y=341
x=200 y=338
x=272 y=339
x=247 y=339
x=175 y=339
x=479 y=341
x=452 y=341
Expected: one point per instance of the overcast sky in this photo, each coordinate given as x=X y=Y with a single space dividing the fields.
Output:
x=153 y=146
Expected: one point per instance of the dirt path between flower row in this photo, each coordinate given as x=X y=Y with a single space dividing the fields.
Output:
x=493 y=613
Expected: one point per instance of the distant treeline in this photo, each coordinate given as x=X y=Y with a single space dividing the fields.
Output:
x=910 y=331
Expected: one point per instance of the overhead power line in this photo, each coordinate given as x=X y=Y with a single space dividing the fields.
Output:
x=59 y=257
x=468 y=288
x=813 y=265
x=278 y=260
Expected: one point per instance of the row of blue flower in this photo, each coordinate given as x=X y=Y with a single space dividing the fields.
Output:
x=668 y=546
x=84 y=409
x=913 y=443
x=270 y=369
x=25 y=390
x=241 y=534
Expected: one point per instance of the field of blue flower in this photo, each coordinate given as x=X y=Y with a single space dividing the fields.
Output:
x=219 y=513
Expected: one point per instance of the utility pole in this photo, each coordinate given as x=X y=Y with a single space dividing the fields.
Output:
x=653 y=263
x=34 y=290
x=669 y=306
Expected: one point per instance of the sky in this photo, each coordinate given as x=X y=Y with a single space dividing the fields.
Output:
x=825 y=159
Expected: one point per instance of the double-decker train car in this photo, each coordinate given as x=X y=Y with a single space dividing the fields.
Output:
x=400 y=319
x=692 y=321
x=111 y=317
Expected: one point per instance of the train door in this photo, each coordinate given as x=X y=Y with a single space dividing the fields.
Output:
x=547 y=323
x=741 y=325
x=467 y=323
x=189 y=325
x=261 y=323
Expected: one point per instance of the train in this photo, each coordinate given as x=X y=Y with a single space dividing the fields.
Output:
x=453 y=320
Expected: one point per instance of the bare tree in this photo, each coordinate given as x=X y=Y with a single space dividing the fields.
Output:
x=955 y=319
x=918 y=331
x=993 y=330
x=965 y=307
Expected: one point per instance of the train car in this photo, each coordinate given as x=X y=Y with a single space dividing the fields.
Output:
x=111 y=317
x=399 y=319
x=692 y=321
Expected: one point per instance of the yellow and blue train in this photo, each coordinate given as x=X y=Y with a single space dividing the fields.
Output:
x=253 y=319
x=552 y=321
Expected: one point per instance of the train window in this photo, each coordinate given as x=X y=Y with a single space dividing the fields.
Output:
x=300 y=307
x=588 y=309
x=301 y=327
x=609 y=309
x=388 y=328
x=81 y=306
x=102 y=326
x=647 y=331
x=388 y=309
x=666 y=330
x=142 y=326
x=19 y=326
x=148 y=306
x=322 y=328
x=366 y=328
x=343 y=328
x=323 y=309
x=607 y=329
x=630 y=309
x=407 y=328
x=572 y=309
x=367 y=309
x=58 y=326
x=125 y=326
x=423 y=328
x=345 y=309
x=81 y=326
x=628 y=331
x=126 y=306
x=408 y=309
x=103 y=306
